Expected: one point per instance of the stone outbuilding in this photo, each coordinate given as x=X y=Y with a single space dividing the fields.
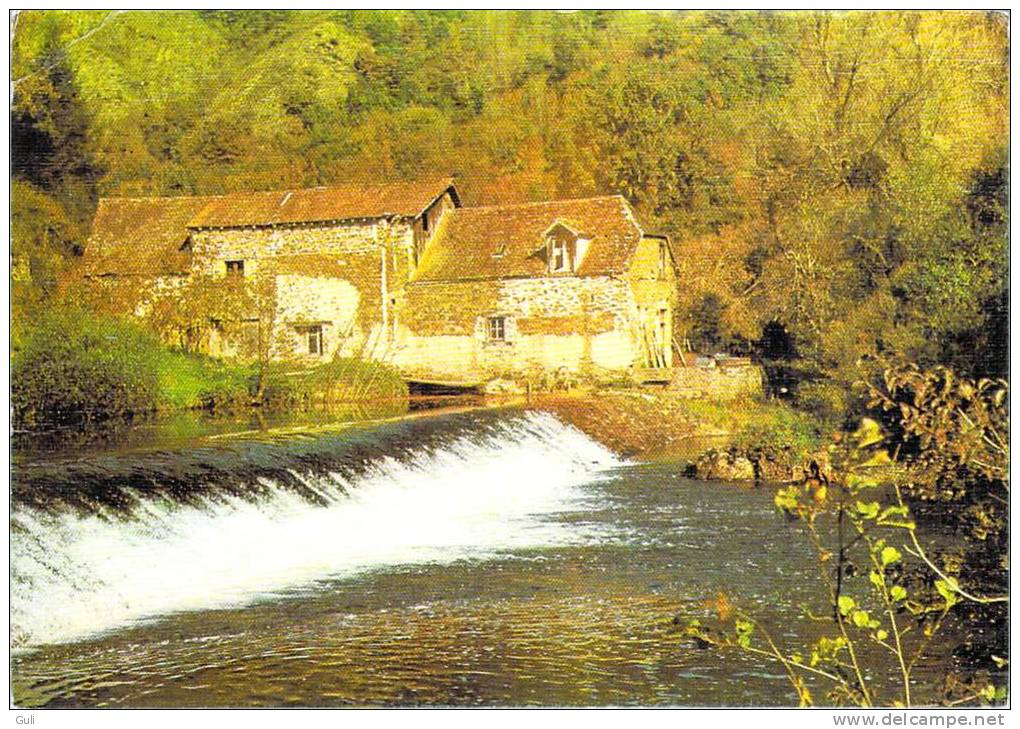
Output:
x=331 y=260
x=572 y=286
x=401 y=273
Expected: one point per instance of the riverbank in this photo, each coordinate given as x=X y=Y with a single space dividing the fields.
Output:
x=109 y=374
x=76 y=368
x=644 y=423
x=660 y=423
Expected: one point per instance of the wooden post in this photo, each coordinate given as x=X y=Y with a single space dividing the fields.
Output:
x=383 y=287
x=680 y=351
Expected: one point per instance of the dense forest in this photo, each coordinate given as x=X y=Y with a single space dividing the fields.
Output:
x=834 y=183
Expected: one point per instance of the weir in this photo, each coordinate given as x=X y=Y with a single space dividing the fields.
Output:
x=103 y=542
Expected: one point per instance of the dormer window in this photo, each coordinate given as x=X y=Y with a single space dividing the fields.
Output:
x=235 y=268
x=559 y=260
x=565 y=248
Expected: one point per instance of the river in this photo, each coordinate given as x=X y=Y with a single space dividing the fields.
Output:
x=491 y=557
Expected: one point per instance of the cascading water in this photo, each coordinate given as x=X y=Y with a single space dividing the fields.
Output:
x=493 y=557
x=104 y=543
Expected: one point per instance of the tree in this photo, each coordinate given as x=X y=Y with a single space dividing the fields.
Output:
x=861 y=194
x=883 y=587
x=850 y=165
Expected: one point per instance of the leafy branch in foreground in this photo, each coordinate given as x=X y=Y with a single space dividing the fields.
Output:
x=882 y=628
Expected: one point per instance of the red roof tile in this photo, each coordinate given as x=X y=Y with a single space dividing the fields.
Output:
x=144 y=235
x=508 y=240
x=140 y=235
x=320 y=204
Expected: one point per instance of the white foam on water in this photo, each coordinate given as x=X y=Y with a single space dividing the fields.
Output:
x=73 y=577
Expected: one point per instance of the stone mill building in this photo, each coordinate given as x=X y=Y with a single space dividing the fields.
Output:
x=402 y=273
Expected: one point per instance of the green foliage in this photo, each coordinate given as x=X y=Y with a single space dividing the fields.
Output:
x=72 y=366
x=706 y=324
x=953 y=429
x=842 y=174
x=188 y=380
x=779 y=427
x=75 y=366
x=344 y=380
x=957 y=429
x=43 y=237
x=186 y=314
x=828 y=401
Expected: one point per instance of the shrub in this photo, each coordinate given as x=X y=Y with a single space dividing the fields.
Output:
x=72 y=366
x=884 y=581
x=357 y=380
x=758 y=425
x=707 y=323
x=827 y=401
x=778 y=427
x=75 y=366
x=343 y=380
x=197 y=381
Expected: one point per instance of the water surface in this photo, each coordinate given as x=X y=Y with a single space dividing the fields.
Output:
x=483 y=558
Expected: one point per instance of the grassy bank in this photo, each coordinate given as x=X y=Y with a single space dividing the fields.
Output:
x=74 y=367
x=759 y=424
x=658 y=423
x=190 y=381
x=341 y=380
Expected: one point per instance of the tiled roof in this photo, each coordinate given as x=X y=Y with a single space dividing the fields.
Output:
x=144 y=235
x=320 y=204
x=140 y=235
x=508 y=240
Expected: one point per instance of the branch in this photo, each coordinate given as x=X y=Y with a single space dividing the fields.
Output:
x=772 y=656
x=927 y=639
x=951 y=583
x=834 y=597
x=890 y=610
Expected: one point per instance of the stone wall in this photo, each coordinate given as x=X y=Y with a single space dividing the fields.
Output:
x=331 y=274
x=447 y=308
x=718 y=383
x=582 y=325
x=565 y=296
x=346 y=250
x=211 y=248
x=302 y=301
x=352 y=279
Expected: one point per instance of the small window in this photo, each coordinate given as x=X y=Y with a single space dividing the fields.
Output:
x=314 y=340
x=497 y=328
x=235 y=268
x=559 y=260
x=663 y=257
x=425 y=222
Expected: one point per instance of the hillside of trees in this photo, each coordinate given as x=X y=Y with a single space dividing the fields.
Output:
x=834 y=183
